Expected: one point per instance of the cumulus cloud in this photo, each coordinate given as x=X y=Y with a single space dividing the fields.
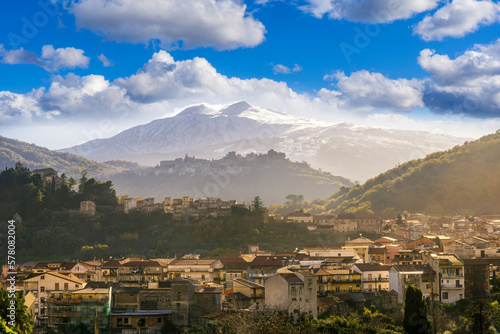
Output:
x=458 y=18
x=370 y=91
x=282 y=69
x=51 y=60
x=373 y=11
x=85 y=96
x=222 y=24
x=468 y=84
x=60 y=58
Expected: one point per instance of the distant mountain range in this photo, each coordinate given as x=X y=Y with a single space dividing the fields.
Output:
x=33 y=157
x=465 y=179
x=354 y=152
x=270 y=175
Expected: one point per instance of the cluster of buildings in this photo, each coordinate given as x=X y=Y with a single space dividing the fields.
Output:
x=143 y=295
x=181 y=208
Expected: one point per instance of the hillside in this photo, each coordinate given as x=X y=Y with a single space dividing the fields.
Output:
x=33 y=156
x=271 y=176
x=463 y=179
x=210 y=132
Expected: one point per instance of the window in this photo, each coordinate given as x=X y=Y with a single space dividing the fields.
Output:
x=445 y=295
x=119 y=322
x=159 y=320
x=42 y=289
x=56 y=286
x=42 y=277
x=141 y=322
x=125 y=320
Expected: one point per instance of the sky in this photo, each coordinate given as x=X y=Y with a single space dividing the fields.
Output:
x=73 y=71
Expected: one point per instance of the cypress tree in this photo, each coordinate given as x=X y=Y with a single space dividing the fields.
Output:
x=415 y=319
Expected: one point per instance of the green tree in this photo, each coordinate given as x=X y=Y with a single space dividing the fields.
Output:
x=258 y=208
x=478 y=317
x=83 y=181
x=399 y=220
x=415 y=319
x=72 y=183
x=21 y=319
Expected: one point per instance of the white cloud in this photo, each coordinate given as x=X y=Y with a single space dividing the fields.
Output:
x=104 y=60
x=468 y=84
x=371 y=91
x=222 y=24
x=282 y=69
x=373 y=11
x=51 y=59
x=458 y=18
x=481 y=62
x=60 y=58
x=84 y=96
x=20 y=56
x=18 y=108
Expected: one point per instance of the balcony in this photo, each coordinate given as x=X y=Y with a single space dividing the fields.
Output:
x=451 y=286
x=259 y=275
x=346 y=281
x=376 y=279
x=62 y=301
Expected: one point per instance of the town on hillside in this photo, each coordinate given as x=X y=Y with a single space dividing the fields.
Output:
x=450 y=259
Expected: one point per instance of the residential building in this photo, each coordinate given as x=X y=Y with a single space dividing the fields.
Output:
x=342 y=225
x=138 y=321
x=298 y=217
x=251 y=290
x=87 y=207
x=43 y=284
x=140 y=270
x=361 y=245
x=295 y=292
x=450 y=276
x=79 y=307
x=338 y=281
x=206 y=270
x=416 y=275
x=377 y=254
x=374 y=276
x=476 y=278
x=263 y=267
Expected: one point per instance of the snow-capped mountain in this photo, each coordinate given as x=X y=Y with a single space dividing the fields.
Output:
x=209 y=132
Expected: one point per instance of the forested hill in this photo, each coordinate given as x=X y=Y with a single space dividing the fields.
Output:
x=272 y=176
x=463 y=179
x=33 y=156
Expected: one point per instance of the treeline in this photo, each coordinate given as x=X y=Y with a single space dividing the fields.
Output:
x=463 y=179
x=27 y=194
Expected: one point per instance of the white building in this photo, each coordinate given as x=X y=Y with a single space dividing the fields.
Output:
x=419 y=276
x=450 y=276
x=43 y=284
x=295 y=292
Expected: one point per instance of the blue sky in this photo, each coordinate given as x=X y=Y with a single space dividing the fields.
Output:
x=76 y=71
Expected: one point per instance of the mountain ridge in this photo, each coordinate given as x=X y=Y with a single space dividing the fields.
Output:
x=352 y=151
x=463 y=179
